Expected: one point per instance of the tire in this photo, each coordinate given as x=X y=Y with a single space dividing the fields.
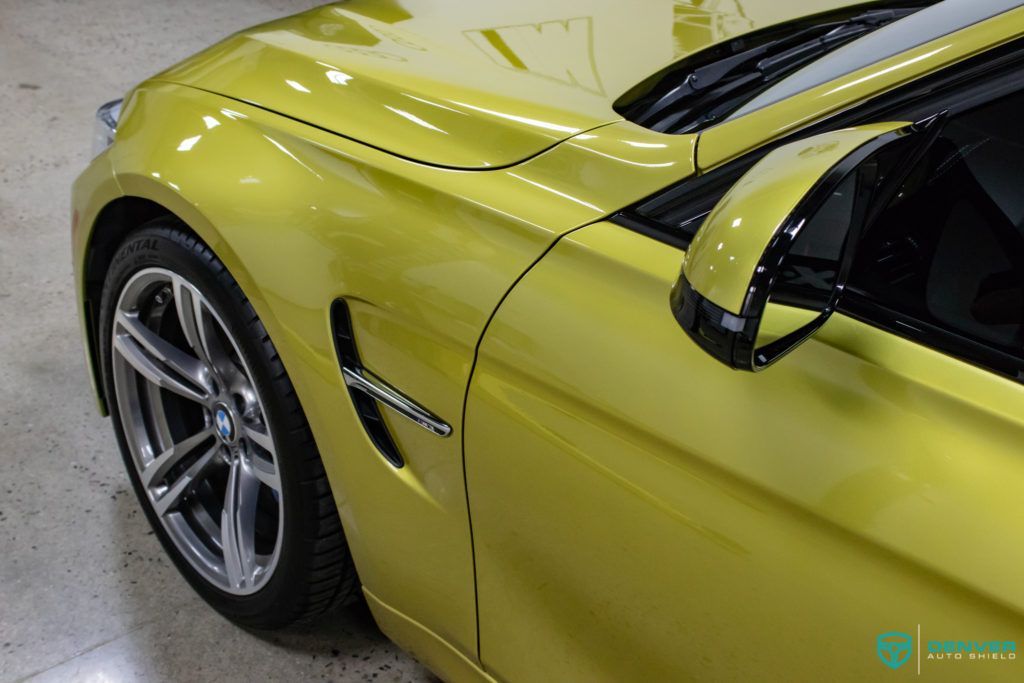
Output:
x=206 y=417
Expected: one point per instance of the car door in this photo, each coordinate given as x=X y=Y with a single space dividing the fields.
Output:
x=642 y=512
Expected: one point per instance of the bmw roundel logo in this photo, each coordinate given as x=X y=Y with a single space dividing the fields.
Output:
x=224 y=423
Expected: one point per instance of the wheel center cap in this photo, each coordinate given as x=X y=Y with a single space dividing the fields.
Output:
x=224 y=423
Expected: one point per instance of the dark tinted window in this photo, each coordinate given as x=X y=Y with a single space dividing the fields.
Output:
x=808 y=273
x=673 y=215
x=949 y=250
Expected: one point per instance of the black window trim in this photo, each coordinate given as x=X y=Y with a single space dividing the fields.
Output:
x=868 y=310
x=912 y=102
x=989 y=77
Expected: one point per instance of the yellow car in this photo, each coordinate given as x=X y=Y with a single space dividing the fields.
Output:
x=588 y=340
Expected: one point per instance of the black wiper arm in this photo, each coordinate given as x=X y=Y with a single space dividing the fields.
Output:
x=668 y=123
x=723 y=100
x=797 y=56
x=706 y=76
x=762 y=62
x=845 y=32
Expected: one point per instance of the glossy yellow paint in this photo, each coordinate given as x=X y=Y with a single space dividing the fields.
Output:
x=726 y=251
x=652 y=515
x=573 y=487
x=732 y=138
x=422 y=254
x=434 y=652
x=465 y=83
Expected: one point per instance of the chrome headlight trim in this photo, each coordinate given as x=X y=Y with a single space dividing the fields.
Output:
x=105 y=126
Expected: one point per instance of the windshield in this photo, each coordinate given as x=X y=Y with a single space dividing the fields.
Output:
x=922 y=27
x=752 y=71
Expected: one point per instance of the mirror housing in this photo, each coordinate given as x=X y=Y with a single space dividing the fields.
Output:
x=736 y=256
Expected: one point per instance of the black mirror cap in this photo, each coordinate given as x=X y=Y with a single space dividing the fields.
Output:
x=727 y=338
x=731 y=339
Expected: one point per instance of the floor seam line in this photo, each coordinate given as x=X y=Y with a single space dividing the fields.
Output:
x=91 y=648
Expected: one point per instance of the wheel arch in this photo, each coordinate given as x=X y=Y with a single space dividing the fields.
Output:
x=118 y=219
x=183 y=153
x=114 y=222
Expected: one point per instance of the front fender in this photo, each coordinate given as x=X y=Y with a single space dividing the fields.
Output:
x=422 y=254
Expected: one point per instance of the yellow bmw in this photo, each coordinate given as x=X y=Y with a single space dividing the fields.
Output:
x=588 y=340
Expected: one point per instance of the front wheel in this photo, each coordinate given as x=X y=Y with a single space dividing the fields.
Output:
x=215 y=442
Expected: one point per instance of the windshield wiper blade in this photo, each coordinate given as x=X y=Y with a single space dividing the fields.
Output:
x=801 y=54
x=670 y=120
x=723 y=80
x=843 y=33
x=705 y=77
x=720 y=102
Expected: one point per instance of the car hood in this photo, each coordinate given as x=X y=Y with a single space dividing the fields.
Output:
x=465 y=83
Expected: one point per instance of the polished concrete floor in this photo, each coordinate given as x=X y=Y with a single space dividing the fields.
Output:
x=85 y=590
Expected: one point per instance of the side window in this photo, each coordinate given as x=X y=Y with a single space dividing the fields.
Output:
x=809 y=270
x=949 y=249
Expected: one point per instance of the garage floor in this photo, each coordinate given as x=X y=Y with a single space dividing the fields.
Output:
x=85 y=590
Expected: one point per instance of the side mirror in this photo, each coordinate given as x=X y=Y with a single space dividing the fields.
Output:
x=823 y=189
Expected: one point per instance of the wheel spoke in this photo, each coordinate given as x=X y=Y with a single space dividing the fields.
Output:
x=266 y=471
x=158 y=415
x=264 y=468
x=231 y=375
x=156 y=470
x=238 y=526
x=259 y=436
x=190 y=316
x=162 y=350
x=140 y=360
x=170 y=499
x=200 y=331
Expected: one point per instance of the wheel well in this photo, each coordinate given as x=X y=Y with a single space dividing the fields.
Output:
x=115 y=222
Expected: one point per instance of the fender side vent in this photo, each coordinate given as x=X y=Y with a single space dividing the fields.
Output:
x=367 y=408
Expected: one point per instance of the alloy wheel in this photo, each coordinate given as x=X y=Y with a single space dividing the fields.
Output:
x=197 y=430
